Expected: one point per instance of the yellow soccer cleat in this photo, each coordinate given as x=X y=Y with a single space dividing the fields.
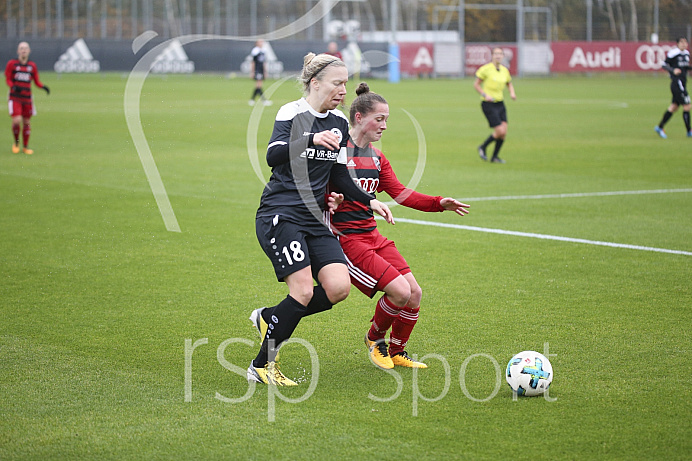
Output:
x=378 y=353
x=401 y=359
x=15 y=148
x=277 y=378
x=268 y=374
x=258 y=375
x=28 y=151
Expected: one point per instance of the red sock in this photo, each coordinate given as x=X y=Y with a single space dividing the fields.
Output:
x=401 y=329
x=26 y=133
x=385 y=313
x=15 y=132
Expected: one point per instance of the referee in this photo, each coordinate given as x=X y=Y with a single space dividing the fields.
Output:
x=490 y=83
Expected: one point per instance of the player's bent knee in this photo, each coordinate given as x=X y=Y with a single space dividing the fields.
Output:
x=416 y=296
x=398 y=291
x=400 y=298
x=337 y=292
x=335 y=281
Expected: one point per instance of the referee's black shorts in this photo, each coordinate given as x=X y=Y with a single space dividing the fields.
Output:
x=495 y=112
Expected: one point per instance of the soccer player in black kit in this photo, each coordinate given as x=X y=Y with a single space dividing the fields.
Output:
x=307 y=149
x=258 y=72
x=677 y=63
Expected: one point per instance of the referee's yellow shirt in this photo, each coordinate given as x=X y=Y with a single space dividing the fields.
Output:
x=494 y=80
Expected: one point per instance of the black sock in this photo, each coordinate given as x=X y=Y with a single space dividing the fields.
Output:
x=255 y=93
x=686 y=119
x=487 y=141
x=319 y=302
x=665 y=119
x=498 y=145
x=284 y=318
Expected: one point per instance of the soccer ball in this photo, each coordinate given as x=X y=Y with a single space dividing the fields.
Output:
x=529 y=373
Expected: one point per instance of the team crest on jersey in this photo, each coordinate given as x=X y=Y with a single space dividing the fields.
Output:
x=337 y=132
x=376 y=160
x=22 y=76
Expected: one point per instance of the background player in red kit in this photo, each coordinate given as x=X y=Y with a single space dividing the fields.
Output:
x=18 y=74
x=374 y=262
x=333 y=50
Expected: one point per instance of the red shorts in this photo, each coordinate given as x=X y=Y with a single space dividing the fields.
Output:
x=373 y=261
x=26 y=110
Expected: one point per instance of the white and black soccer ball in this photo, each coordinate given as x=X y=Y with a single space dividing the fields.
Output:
x=529 y=373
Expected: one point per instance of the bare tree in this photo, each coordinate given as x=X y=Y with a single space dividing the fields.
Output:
x=606 y=7
x=620 y=19
x=634 y=23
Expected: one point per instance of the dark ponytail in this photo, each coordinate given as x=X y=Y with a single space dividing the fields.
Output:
x=365 y=101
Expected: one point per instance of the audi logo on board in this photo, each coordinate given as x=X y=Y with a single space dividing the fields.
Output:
x=650 y=57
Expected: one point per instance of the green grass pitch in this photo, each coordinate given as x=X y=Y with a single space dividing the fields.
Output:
x=100 y=304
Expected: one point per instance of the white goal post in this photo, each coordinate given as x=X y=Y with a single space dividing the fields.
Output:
x=534 y=56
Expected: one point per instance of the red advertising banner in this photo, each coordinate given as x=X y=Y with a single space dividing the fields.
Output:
x=416 y=58
x=479 y=54
x=608 y=56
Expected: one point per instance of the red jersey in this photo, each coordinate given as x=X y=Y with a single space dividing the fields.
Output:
x=374 y=173
x=18 y=77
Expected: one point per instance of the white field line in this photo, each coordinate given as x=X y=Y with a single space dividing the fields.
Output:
x=556 y=237
x=577 y=195
x=542 y=236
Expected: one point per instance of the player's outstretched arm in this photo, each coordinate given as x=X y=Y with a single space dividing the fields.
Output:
x=456 y=206
x=382 y=210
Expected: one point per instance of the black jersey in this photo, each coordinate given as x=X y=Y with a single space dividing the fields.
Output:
x=258 y=57
x=295 y=194
x=678 y=59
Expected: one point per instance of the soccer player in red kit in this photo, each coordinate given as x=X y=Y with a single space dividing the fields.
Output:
x=18 y=74
x=374 y=262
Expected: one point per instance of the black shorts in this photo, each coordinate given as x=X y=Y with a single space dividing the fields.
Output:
x=292 y=247
x=259 y=76
x=495 y=112
x=680 y=95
